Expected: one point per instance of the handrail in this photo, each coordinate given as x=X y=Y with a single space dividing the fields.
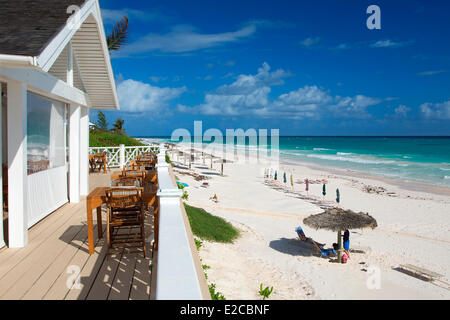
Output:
x=178 y=275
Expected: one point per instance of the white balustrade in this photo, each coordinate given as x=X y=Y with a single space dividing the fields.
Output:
x=117 y=157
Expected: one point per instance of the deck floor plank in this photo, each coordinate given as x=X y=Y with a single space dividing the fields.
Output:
x=59 y=266
x=10 y=262
x=34 y=264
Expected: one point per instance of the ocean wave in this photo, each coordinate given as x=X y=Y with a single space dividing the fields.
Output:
x=445 y=169
x=344 y=153
x=320 y=149
x=349 y=159
x=446 y=177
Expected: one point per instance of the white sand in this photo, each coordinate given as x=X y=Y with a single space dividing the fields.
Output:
x=413 y=227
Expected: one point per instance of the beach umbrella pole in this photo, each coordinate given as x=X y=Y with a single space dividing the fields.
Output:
x=339 y=246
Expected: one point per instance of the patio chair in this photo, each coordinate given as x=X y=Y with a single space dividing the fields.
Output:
x=127 y=181
x=134 y=173
x=147 y=164
x=98 y=161
x=125 y=219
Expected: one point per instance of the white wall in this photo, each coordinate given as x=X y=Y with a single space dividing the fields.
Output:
x=2 y=242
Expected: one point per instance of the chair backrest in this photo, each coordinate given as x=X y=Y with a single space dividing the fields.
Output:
x=146 y=163
x=127 y=181
x=133 y=173
x=120 y=197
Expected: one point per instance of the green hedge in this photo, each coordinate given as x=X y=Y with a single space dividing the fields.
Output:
x=110 y=139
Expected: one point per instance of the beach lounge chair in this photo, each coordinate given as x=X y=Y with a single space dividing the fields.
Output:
x=316 y=245
x=205 y=184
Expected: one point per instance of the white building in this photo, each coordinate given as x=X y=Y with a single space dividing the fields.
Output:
x=54 y=67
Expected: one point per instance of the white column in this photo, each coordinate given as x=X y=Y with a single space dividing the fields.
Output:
x=74 y=153
x=2 y=242
x=17 y=165
x=84 y=152
x=122 y=156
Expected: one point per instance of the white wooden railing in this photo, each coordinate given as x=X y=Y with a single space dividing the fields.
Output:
x=177 y=276
x=117 y=157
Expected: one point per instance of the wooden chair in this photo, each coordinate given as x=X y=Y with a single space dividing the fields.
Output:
x=127 y=181
x=134 y=173
x=98 y=161
x=125 y=219
x=132 y=166
x=147 y=164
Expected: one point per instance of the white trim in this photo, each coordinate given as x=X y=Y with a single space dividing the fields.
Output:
x=16 y=61
x=46 y=84
x=69 y=76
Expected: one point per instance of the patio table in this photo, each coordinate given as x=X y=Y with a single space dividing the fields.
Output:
x=97 y=197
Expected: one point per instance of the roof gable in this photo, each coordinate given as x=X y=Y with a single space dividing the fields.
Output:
x=45 y=23
x=29 y=25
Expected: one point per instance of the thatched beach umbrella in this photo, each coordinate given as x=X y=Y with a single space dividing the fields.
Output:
x=337 y=220
x=324 y=190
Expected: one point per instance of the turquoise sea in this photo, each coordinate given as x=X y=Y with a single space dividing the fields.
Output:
x=416 y=159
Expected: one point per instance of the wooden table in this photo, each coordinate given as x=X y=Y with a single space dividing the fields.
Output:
x=98 y=197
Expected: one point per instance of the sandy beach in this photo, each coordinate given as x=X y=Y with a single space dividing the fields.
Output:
x=413 y=228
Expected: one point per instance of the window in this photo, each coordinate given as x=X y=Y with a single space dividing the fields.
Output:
x=45 y=133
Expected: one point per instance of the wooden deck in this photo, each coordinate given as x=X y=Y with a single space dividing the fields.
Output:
x=57 y=251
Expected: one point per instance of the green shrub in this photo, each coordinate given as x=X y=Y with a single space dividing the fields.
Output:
x=209 y=227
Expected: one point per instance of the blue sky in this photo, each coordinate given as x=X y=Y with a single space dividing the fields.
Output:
x=304 y=67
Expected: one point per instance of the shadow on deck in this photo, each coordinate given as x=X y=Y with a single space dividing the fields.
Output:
x=56 y=264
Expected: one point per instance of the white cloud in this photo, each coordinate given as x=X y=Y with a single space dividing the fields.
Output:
x=184 y=38
x=352 y=107
x=430 y=73
x=249 y=95
x=136 y=96
x=389 y=44
x=436 y=110
x=402 y=111
x=308 y=42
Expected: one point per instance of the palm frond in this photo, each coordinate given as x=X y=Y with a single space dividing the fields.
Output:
x=118 y=35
